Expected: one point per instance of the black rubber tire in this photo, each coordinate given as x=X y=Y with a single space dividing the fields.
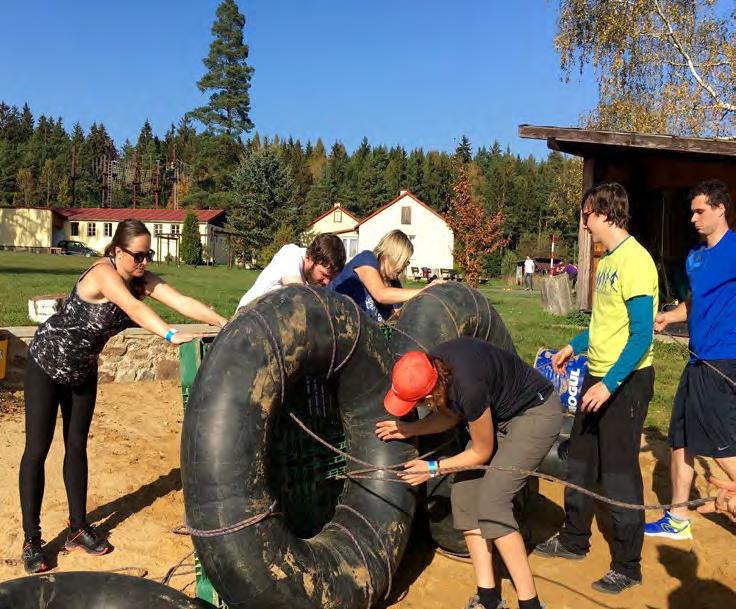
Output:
x=92 y=590
x=224 y=456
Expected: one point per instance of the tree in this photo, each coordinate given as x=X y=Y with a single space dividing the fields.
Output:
x=464 y=152
x=477 y=232
x=662 y=65
x=228 y=76
x=264 y=189
x=191 y=244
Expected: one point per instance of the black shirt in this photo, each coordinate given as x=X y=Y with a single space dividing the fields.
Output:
x=485 y=376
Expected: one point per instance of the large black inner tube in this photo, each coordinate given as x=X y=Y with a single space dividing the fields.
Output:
x=92 y=590
x=237 y=407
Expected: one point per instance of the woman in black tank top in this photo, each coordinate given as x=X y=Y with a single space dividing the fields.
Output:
x=62 y=371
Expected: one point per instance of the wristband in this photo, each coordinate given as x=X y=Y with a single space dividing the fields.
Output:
x=170 y=334
x=432 y=468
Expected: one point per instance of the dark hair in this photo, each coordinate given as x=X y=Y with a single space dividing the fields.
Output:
x=610 y=200
x=717 y=193
x=327 y=249
x=126 y=231
x=438 y=399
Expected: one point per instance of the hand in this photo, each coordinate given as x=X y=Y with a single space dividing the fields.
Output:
x=595 y=397
x=393 y=430
x=221 y=321
x=726 y=499
x=415 y=472
x=661 y=321
x=561 y=358
x=180 y=338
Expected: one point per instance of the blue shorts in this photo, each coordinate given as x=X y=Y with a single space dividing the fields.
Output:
x=704 y=413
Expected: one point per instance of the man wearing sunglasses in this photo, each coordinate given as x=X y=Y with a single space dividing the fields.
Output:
x=314 y=265
x=606 y=433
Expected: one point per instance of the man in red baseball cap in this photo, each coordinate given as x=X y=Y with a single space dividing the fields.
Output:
x=513 y=416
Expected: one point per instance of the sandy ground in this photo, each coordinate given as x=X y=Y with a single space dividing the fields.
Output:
x=135 y=496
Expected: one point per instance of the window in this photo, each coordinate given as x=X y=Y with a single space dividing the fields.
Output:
x=337 y=216
x=107 y=227
x=175 y=229
x=74 y=229
x=91 y=229
x=406 y=215
x=351 y=247
x=157 y=230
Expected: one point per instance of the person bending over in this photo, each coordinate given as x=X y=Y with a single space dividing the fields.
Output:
x=62 y=371
x=371 y=278
x=513 y=416
x=314 y=265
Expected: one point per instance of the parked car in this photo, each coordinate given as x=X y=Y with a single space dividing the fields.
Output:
x=76 y=248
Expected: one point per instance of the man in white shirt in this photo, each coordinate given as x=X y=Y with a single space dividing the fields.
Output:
x=529 y=273
x=313 y=265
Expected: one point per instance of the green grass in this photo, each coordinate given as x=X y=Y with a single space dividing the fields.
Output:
x=23 y=276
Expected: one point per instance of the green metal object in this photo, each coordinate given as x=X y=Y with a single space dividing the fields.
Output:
x=191 y=355
x=203 y=587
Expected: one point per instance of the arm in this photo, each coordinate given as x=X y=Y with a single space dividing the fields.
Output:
x=640 y=339
x=382 y=293
x=158 y=289
x=577 y=345
x=435 y=422
x=112 y=287
x=676 y=315
x=479 y=453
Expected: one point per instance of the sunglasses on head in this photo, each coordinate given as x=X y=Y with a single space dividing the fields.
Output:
x=139 y=257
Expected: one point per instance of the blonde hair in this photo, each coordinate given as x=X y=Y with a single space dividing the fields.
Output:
x=393 y=252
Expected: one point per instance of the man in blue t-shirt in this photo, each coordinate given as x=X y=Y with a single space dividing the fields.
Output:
x=704 y=413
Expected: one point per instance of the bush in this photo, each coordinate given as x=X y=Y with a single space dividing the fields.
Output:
x=284 y=234
x=492 y=264
x=508 y=264
x=191 y=245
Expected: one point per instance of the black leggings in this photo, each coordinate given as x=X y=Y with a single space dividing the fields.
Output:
x=43 y=396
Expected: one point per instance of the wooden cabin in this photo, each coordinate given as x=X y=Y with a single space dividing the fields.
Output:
x=658 y=171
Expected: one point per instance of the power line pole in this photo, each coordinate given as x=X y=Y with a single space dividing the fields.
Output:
x=73 y=176
x=156 y=184
x=136 y=177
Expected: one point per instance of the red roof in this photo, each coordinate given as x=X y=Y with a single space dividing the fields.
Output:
x=117 y=214
x=339 y=207
x=406 y=193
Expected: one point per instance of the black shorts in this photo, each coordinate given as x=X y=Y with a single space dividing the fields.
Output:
x=704 y=413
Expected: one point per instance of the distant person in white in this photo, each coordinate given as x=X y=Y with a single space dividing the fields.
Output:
x=529 y=273
x=313 y=265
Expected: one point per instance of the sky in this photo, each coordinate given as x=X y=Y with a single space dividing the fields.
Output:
x=419 y=73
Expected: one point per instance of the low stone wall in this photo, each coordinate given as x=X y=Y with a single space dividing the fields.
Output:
x=133 y=355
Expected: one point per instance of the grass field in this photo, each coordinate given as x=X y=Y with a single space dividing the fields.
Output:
x=23 y=276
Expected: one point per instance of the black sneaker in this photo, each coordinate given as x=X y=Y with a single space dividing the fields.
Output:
x=33 y=559
x=86 y=539
x=553 y=548
x=614 y=582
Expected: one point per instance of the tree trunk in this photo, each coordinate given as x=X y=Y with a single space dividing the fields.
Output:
x=557 y=295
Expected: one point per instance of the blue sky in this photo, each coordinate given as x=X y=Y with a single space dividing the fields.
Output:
x=413 y=72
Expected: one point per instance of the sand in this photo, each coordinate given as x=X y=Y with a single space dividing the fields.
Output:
x=135 y=497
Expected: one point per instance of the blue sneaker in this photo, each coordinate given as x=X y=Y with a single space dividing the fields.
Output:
x=669 y=527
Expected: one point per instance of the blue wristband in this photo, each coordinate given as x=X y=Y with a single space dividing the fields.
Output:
x=433 y=467
x=170 y=334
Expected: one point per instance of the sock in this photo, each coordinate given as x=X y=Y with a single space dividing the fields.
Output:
x=489 y=597
x=677 y=518
x=532 y=603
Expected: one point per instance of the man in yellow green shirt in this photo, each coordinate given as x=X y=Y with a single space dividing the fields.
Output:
x=606 y=434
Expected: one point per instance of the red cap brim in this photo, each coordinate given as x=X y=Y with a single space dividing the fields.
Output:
x=395 y=405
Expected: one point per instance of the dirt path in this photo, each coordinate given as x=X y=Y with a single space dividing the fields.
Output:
x=135 y=494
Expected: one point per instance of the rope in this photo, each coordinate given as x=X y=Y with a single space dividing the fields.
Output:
x=357 y=336
x=275 y=348
x=490 y=317
x=729 y=380
x=170 y=573
x=477 y=309
x=410 y=337
x=332 y=329
x=392 y=469
x=369 y=582
x=444 y=306
x=233 y=528
x=386 y=555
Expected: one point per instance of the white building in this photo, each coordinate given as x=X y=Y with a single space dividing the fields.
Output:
x=95 y=226
x=339 y=221
x=432 y=238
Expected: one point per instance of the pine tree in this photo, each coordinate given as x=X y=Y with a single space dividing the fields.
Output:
x=463 y=152
x=191 y=245
x=228 y=76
